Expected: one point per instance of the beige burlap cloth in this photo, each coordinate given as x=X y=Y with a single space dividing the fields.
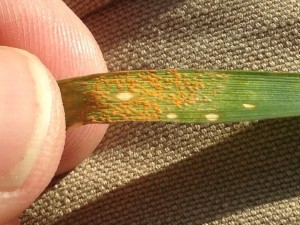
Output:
x=156 y=173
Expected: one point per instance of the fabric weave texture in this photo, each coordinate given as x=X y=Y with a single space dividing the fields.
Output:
x=163 y=173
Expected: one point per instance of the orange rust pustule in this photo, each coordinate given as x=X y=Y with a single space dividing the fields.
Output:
x=154 y=95
x=152 y=85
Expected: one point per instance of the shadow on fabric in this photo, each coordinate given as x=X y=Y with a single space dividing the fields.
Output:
x=240 y=178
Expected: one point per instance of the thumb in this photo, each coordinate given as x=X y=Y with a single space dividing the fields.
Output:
x=32 y=130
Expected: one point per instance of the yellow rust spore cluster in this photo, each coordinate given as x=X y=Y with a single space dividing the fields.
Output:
x=150 y=95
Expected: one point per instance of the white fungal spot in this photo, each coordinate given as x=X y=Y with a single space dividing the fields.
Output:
x=248 y=106
x=124 y=96
x=172 y=116
x=212 y=117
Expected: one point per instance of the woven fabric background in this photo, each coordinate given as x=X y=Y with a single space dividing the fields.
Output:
x=157 y=173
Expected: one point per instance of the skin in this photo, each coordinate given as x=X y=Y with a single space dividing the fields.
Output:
x=52 y=32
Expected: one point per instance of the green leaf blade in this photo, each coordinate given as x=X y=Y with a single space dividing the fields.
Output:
x=200 y=96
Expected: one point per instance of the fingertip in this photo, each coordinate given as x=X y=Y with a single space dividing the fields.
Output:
x=14 y=222
x=50 y=30
x=80 y=142
x=32 y=130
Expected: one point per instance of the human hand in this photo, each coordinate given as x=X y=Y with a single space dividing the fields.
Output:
x=32 y=129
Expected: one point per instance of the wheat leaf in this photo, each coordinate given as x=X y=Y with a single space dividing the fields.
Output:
x=199 y=96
